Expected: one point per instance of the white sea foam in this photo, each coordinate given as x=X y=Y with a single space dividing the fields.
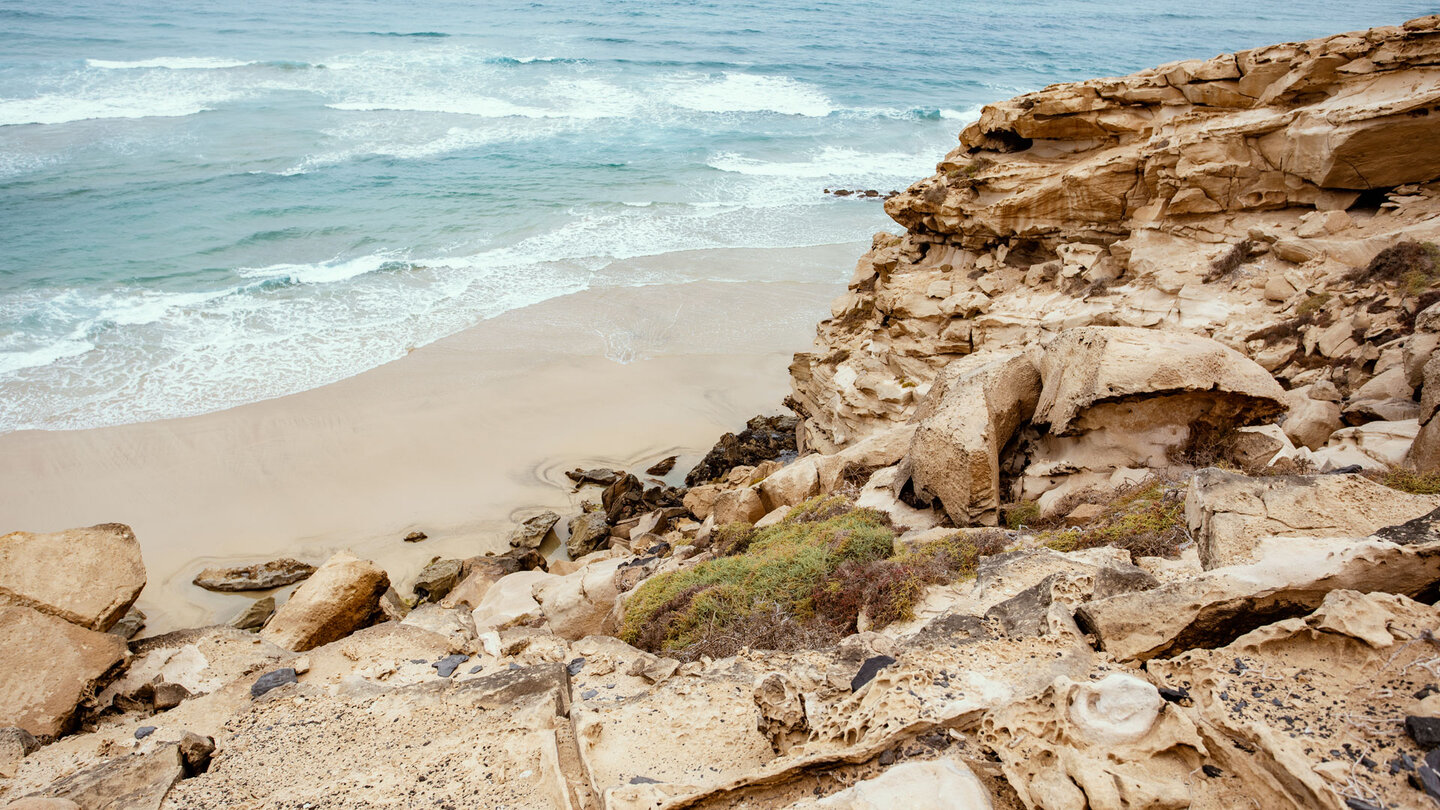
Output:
x=835 y=162
x=746 y=92
x=169 y=63
x=11 y=362
x=482 y=106
x=326 y=272
x=59 y=109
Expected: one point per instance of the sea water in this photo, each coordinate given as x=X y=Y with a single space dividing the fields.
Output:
x=207 y=203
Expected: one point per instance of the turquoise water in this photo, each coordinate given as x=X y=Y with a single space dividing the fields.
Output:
x=204 y=204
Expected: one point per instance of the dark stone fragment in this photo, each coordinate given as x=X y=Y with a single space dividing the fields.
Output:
x=1361 y=804
x=589 y=693
x=415 y=537
x=1423 y=529
x=1426 y=692
x=643 y=780
x=1113 y=580
x=869 y=670
x=887 y=757
x=1402 y=763
x=600 y=477
x=1346 y=470
x=575 y=665
x=476 y=668
x=169 y=695
x=514 y=666
x=1432 y=759
x=143 y=732
x=657 y=550
x=1174 y=695
x=764 y=438
x=1211 y=771
x=1429 y=779
x=1425 y=731
x=271 y=680
x=195 y=752
x=662 y=467
x=445 y=667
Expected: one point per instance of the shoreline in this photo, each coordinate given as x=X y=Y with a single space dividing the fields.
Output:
x=457 y=439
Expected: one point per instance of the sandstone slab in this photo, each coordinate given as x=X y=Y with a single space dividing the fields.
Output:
x=334 y=602
x=257 y=577
x=49 y=668
x=89 y=577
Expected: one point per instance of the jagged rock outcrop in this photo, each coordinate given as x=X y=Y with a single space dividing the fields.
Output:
x=1233 y=196
x=88 y=577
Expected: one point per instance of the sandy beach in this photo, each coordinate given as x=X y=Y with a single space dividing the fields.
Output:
x=455 y=440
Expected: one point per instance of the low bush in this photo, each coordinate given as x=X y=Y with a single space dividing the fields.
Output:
x=800 y=583
x=1416 y=483
x=1147 y=520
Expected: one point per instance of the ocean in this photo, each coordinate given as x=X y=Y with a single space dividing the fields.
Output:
x=205 y=204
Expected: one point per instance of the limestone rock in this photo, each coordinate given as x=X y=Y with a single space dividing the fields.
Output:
x=49 y=667
x=437 y=579
x=1088 y=366
x=1229 y=514
x=257 y=577
x=89 y=577
x=138 y=781
x=254 y=617
x=510 y=599
x=532 y=532
x=738 y=506
x=700 y=500
x=1114 y=743
x=1291 y=578
x=334 y=602
x=455 y=624
x=1306 y=683
x=973 y=409
x=942 y=784
x=1309 y=421
x=199 y=660
x=576 y=605
x=15 y=744
x=587 y=533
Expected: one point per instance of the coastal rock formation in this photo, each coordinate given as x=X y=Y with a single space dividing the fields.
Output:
x=88 y=577
x=336 y=600
x=49 y=668
x=1208 y=196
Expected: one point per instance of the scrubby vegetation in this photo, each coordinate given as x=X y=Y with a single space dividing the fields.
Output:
x=1411 y=481
x=1230 y=261
x=1147 y=519
x=801 y=583
x=1415 y=266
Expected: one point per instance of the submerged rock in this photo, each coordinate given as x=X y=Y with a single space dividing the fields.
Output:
x=257 y=577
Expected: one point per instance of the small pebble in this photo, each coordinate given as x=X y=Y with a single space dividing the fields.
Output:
x=445 y=667
x=143 y=732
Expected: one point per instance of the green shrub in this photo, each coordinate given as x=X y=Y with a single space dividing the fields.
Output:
x=1413 y=482
x=1147 y=519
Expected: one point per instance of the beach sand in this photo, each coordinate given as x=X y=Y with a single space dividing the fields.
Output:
x=457 y=440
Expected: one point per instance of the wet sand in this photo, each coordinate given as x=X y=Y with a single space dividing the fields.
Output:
x=456 y=440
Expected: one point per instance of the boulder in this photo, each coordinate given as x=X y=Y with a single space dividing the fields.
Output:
x=455 y=624
x=437 y=579
x=1379 y=446
x=764 y=438
x=15 y=744
x=738 y=506
x=790 y=485
x=1310 y=421
x=1291 y=578
x=1229 y=513
x=588 y=532
x=257 y=577
x=511 y=599
x=88 y=577
x=49 y=668
x=1086 y=367
x=974 y=407
x=576 y=605
x=532 y=532
x=700 y=500
x=334 y=602
x=254 y=617
x=135 y=782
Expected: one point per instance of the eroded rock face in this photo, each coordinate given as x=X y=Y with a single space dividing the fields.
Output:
x=334 y=602
x=1278 y=705
x=1204 y=196
x=1229 y=514
x=89 y=577
x=257 y=577
x=973 y=409
x=48 y=668
x=1114 y=743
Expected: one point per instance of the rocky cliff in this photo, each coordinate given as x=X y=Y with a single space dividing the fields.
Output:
x=1114 y=486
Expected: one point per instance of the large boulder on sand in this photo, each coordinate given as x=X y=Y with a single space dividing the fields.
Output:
x=89 y=577
x=333 y=603
x=1229 y=513
x=588 y=532
x=257 y=577
x=973 y=409
x=1090 y=367
x=48 y=667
